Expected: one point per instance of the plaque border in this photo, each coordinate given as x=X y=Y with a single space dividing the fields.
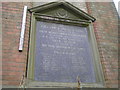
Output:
x=98 y=71
x=30 y=67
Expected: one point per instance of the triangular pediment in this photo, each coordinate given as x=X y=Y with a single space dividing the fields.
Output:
x=62 y=10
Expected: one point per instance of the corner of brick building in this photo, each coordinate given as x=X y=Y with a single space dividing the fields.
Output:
x=106 y=32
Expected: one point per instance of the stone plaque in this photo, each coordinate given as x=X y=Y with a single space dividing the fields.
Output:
x=62 y=54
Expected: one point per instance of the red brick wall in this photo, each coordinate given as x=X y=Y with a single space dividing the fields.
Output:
x=106 y=31
x=13 y=61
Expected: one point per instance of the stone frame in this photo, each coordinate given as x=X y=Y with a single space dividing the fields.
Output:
x=92 y=39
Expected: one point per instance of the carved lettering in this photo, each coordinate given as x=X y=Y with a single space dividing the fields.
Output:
x=62 y=53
